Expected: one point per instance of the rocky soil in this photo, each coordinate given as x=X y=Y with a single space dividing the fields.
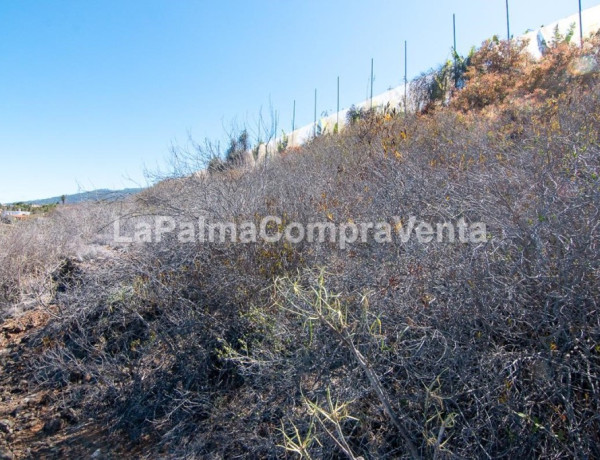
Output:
x=33 y=422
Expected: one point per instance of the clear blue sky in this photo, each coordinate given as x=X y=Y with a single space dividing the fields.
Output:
x=93 y=90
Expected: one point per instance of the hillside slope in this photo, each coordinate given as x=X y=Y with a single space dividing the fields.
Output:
x=454 y=315
x=94 y=195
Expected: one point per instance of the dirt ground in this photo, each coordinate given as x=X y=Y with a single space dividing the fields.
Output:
x=32 y=422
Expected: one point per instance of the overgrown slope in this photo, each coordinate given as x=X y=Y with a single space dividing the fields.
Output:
x=486 y=348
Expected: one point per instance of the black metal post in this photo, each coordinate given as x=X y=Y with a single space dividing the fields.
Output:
x=507 y=22
x=315 y=125
x=455 y=54
x=371 y=82
x=580 y=26
x=454 y=30
x=337 y=120
x=405 y=76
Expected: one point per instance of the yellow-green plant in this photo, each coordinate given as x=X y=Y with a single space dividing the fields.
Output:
x=317 y=303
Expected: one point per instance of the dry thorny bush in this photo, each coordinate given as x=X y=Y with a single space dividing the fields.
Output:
x=34 y=253
x=379 y=350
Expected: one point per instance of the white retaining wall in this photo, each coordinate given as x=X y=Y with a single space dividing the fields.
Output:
x=538 y=41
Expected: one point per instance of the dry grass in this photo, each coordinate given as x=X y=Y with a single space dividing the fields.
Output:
x=380 y=350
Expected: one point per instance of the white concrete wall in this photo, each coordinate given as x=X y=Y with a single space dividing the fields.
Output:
x=542 y=37
x=395 y=96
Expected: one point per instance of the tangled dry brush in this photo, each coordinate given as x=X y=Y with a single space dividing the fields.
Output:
x=403 y=349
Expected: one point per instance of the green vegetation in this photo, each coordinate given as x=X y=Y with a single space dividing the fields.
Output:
x=397 y=350
x=34 y=209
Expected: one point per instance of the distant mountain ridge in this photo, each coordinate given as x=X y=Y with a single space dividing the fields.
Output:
x=94 y=195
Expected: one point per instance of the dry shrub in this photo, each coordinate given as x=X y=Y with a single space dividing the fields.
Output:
x=379 y=350
x=492 y=74
x=32 y=251
x=501 y=71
